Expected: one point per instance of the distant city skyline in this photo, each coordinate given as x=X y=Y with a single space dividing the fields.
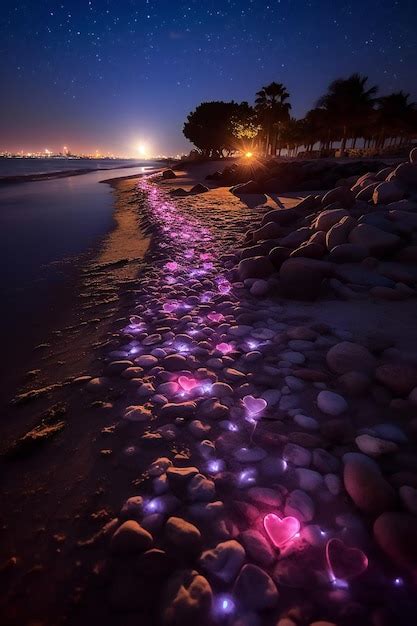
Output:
x=111 y=76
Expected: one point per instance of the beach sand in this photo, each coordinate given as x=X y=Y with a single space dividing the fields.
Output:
x=59 y=494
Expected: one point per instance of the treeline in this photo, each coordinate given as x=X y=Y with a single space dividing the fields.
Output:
x=350 y=111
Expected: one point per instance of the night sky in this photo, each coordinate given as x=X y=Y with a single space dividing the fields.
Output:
x=110 y=74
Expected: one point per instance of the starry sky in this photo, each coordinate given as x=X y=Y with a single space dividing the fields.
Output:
x=108 y=75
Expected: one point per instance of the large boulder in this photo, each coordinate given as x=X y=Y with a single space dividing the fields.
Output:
x=130 y=538
x=377 y=241
x=281 y=216
x=339 y=194
x=366 y=485
x=255 y=267
x=270 y=230
x=387 y=192
x=302 y=278
x=396 y=535
x=168 y=174
x=400 y=378
x=296 y=237
x=338 y=234
x=406 y=173
x=348 y=253
x=328 y=218
x=347 y=356
x=251 y=186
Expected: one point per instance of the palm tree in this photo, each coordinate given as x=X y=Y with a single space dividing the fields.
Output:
x=394 y=117
x=349 y=105
x=273 y=111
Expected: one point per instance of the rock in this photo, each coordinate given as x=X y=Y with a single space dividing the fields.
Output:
x=224 y=561
x=406 y=173
x=309 y=250
x=201 y=489
x=377 y=241
x=347 y=356
x=338 y=234
x=399 y=377
x=255 y=267
x=299 y=505
x=331 y=403
x=178 y=193
x=199 y=188
x=265 y=496
x=167 y=174
x=249 y=187
x=387 y=192
x=255 y=588
x=296 y=455
x=179 y=477
x=413 y=155
x=130 y=538
x=348 y=253
x=278 y=255
x=259 y=288
x=270 y=230
x=296 y=237
x=339 y=194
x=327 y=219
x=354 y=383
x=374 y=446
x=396 y=535
x=408 y=497
x=183 y=537
x=132 y=509
x=249 y=455
x=366 y=486
x=186 y=600
x=308 y=479
x=302 y=278
x=257 y=547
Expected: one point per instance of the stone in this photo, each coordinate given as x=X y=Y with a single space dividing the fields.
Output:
x=408 y=497
x=179 y=477
x=406 y=173
x=374 y=446
x=395 y=533
x=339 y=194
x=201 y=489
x=249 y=455
x=348 y=253
x=327 y=219
x=255 y=267
x=186 y=600
x=224 y=561
x=259 y=288
x=366 y=485
x=299 y=505
x=255 y=588
x=377 y=241
x=399 y=377
x=137 y=413
x=331 y=403
x=387 y=192
x=265 y=496
x=354 y=383
x=183 y=537
x=168 y=174
x=270 y=230
x=347 y=356
x=308 y=479
x=257 y=547
x=130 y=538
x=132 y=509
x=296 y=455
x=302 y=278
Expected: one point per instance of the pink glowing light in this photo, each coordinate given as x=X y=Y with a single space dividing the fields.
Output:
x=343 y=562
x=281 y=530
x=169 y=307
x=224 y=287
x=215 y=317
x=254 y=405
x=206 y=256
x=186 y=383
x=171 y=266
x=225 y=348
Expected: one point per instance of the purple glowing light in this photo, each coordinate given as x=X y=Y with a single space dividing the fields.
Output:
x=215 y=317
x=224 y=605
x=224 y=287
x=253 y=405
x=247 y=477
x=187 y=383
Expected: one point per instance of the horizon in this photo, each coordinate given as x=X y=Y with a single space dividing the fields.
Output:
x=111 y=79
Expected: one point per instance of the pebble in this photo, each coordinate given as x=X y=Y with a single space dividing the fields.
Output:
x=255 y=588
x=296 y=455
x=366 y=485
x=257 y=547
x=331 y=403
x=299 y=505
x=186 y=599
x=374 y=446
x=224 y=561
x=249 y=455
x=130 y=538
x=183 y=537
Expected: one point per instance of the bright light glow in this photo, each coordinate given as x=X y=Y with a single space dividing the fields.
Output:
x=142 y=149
x=249 y=155
x=224 y=605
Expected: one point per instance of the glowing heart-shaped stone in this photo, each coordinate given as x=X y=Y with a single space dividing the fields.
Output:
x=225 y=348
x=281 y=530
x=169 y=307
x=254 y=405
x=171 y=266
x=215 y=317
x=344 y=562
x=224 y=287
x=186 y=383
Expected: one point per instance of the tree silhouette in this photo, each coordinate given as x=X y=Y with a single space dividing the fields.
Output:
x=273 y=109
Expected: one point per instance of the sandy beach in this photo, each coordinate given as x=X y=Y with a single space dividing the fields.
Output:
x=173 y=399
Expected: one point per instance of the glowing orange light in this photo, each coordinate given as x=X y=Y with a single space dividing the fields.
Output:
x=248 y=155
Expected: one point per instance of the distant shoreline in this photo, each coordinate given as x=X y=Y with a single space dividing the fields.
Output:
x=30 y=178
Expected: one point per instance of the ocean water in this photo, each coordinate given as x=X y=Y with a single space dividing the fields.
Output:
x=29 y=167
x=45 y=226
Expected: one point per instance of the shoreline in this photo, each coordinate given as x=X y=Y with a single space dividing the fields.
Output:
x=31 y=178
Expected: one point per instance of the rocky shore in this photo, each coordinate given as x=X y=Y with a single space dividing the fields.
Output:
x=259 y=462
